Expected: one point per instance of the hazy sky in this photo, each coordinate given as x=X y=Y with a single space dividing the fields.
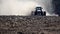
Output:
x=23 y=7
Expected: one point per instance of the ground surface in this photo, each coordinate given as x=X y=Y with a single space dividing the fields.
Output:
x=29 y=25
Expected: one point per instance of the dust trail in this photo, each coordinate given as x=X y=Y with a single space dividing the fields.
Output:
x=16 y=7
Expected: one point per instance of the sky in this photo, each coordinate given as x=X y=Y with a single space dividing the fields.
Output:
x=24 y=7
